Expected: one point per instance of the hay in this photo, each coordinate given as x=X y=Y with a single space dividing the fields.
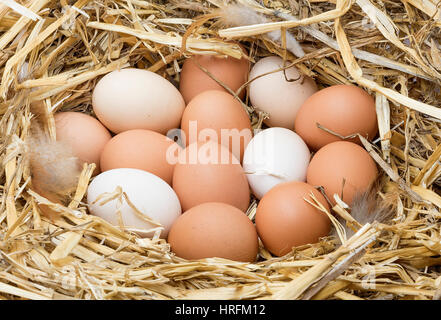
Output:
x=52 y=54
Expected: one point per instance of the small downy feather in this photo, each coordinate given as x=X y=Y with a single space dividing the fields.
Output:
x=236 y=15
x=368 y=207
x=54 y=169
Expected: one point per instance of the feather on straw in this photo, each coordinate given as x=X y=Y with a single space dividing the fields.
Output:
x=368 y=207
x=54 y=169
x=236 y=15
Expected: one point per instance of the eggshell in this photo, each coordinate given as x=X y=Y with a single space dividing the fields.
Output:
x=275 y=95
x=285 y=220
x=343 y=109
x=84 y=134
x=140 y=149
x=151 y=195
x=208 y=172
x=137 y=99
x=273 y=156
x=230 y=71
x=342 y=163
x=214 y=230
x=218 y=116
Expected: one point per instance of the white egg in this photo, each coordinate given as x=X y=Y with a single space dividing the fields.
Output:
x=149 y=194
x=133 y=98
x=273 y=156
x=280 y=94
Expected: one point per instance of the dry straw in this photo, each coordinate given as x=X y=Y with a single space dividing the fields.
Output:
x=53 y=52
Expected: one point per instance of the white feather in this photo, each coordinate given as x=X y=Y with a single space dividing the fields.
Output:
x=235 y=15
x=54 y=169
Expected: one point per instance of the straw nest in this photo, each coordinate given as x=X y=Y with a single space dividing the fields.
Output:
x=52 y=54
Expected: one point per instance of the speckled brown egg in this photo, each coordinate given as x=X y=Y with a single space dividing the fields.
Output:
x=343 y=109
x=342 y=168
x=230 y=71
x=217 y=115
x=140 y=149
x=214 y=230
x=285 y=220
x=208 y=172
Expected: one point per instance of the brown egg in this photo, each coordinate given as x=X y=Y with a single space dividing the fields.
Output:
x=214 y=230
x=218 y=116
x=285 y=220
x=84 y=134
x=342 y=163
x=230 y=71
x=208 y=172
x=140 y=149
x=343 y=109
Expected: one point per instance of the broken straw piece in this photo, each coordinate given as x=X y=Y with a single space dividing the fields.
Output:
x=21 y=9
